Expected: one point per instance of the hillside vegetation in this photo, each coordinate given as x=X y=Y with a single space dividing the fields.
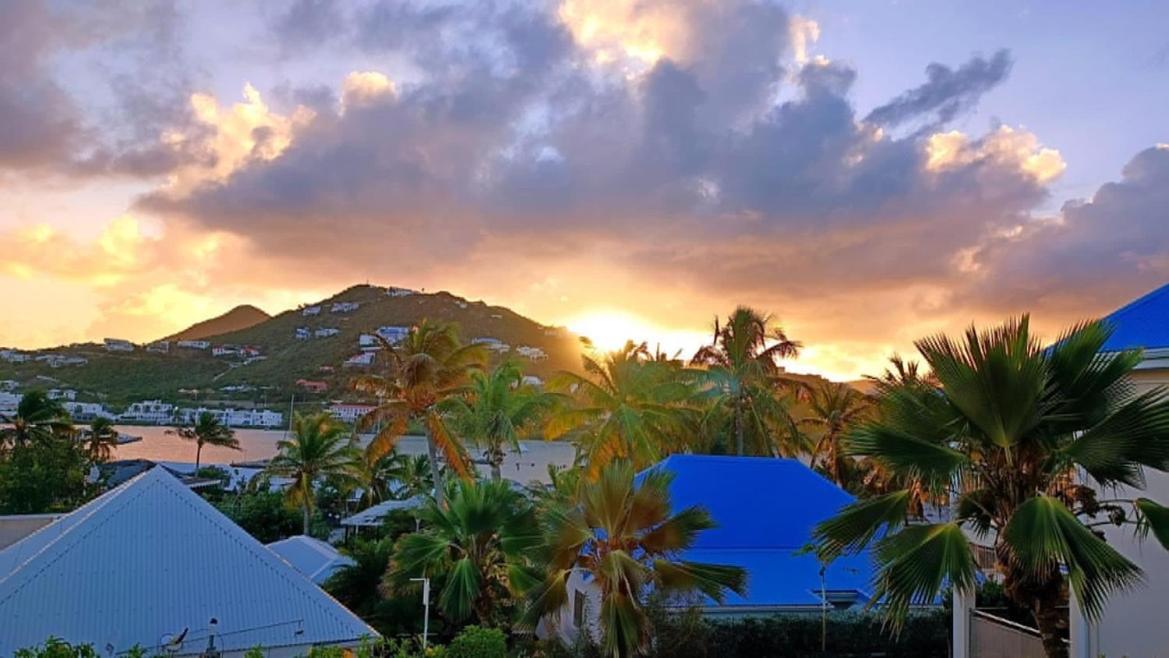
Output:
x=119 y=377
x=238 y=318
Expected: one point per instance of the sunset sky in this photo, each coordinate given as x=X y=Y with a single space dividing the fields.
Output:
x=869 y=172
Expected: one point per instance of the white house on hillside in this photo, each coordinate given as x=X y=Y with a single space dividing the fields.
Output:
x=118 y=345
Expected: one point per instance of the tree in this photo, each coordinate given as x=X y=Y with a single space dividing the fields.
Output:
x=833 y=409
x=625 y=536
x=496 y=410
x=356 y=586
x=480 y=543
x=318 y=448
x=37 y=420
x=1002 y=435
x=207 y=430
x=102 y=438
x=628 y=407
x=428 y=366
x=744 y=378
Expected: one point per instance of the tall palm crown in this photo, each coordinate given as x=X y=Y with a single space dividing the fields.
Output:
x=1002 y=435
x=833 y=409
x=207 y=430
x=37 y=420
x=628 y=407
x=102 y=437
x=496 y=410
x=478 y=545
x=744 y=379
x=428 y=366
x=624 y=535
x=319 y=447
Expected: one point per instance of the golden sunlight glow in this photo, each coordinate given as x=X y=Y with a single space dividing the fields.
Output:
x=364 y=86
x=609 y=329
x=619 y=31
x=1005 y=146
x=804 y=33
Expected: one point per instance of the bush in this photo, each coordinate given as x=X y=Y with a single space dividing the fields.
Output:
x=476 y=642
x=55 y=647
x=263 y=514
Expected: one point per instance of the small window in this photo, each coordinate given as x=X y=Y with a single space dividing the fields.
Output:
x=578 y=606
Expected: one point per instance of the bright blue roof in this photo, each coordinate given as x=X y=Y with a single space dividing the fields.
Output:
x=765 y=509
x=1143 y=323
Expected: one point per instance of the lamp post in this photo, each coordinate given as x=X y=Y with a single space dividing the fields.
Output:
x=426 y=608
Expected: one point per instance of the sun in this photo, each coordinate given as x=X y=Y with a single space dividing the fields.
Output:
x=608 y=329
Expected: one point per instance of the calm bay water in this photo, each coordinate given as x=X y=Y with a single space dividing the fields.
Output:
x=156 y=445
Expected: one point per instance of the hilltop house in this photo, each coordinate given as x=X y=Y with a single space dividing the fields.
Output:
x=325 y=332
x=399 y=292
x=363 y=360
x=311 y=310
x=533 y=353
x=118 y=345
x=161 y=346
x=61 y=394
x=491 y=343
x=225 y=350
x=194 y=344
x=55 y=360
x=302 y=333
x=13 y=356
x=151 y=564
x=313 y=385
x=393 y=334
x=344 y=307
x=781 y=575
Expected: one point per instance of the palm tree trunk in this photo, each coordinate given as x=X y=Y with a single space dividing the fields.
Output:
x=435 y=472
x=306 y=490
x=495 y=456
x=739 y=427
x=198 y=454
x=1049 y=619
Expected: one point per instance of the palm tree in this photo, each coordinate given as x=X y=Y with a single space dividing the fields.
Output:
x=623 y=534
x=319 y=447
x=629 y=407
x=1002 y=436
x=480 y=542
x=37 y=420
x=496 y=410
x=207 y=430
x=744 y=378
x=833 y=409
x=428 y=366
x=102 y=437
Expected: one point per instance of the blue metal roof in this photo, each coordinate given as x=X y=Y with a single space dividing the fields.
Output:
x=765 y=509
x=1143 y=323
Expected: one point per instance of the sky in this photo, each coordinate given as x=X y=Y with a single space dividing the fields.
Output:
x=869 y=173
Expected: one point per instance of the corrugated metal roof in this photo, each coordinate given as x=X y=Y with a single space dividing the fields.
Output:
x=375 y=515
x=1143 y=323
x=150 y=559
x=765 y=509
x=310 y=556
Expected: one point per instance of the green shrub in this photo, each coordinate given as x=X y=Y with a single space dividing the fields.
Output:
x=476 y=642
x=55 y=647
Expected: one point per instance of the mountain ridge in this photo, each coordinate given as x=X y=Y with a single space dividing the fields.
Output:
x=239 y=318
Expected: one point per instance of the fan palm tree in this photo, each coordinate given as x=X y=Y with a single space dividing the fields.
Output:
x=207 y=430
x=628 y=407
x=623 y=534
x=37 y=420
x=103 y=438
x=480 y=542
x=833 y=409
x=1002 y=435
x=744 y=378
x=496 y=410
x=319 y=447
x=428 y=366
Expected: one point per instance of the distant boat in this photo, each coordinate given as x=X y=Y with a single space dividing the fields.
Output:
x=123 y=439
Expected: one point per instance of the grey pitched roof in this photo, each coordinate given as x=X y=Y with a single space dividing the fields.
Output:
x=149 y=559
x=311 y=556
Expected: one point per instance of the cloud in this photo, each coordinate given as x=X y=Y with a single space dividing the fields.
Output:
x=947 y=92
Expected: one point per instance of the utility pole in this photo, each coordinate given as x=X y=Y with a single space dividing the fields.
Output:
x=426 y=609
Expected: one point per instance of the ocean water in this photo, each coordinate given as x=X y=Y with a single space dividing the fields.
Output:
x=156 y=445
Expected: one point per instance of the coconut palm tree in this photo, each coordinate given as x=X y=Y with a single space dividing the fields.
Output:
x=745 y=381
x=37 y=420
x=628 y=407
x=623 y=534
x=480 y=542
x=496 y=410
x=428 y=366
x=102 y=437
x=207 y=430
x=833 y=409
x=319 y=447
x=1001 y=436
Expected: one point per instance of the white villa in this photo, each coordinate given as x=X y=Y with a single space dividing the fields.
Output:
x=325 y=332
x=233 y=417
x=399 y=292
x=393 y=334
x=151 y=564
x=344 y=307
x=154 y=412
x=194 y=344
x=362 y=360
x=61 y=394
x=311 y=310
x=533 y=353
x=118 y=345
x=349 y=413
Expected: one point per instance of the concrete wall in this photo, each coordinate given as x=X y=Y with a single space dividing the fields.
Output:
x=1134 y=625
x=18 y=526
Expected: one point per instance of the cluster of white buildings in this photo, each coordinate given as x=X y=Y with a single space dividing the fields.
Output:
x=399 y=292
x=305 y=333
x=349 y=413
x=233 y=417
x=491 y=343
x=533 y=353
x=52 y=359
x=344 y=307
x=13 y=356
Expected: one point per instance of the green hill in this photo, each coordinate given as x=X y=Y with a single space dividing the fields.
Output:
x=238 y=318
x=119 y=378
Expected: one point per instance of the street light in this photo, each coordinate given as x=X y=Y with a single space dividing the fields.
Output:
x=426 y=608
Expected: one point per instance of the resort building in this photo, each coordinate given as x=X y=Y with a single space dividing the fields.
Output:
x=349 y=413
x=781 y=575
x=87 y=411
x=152 y=412
x=118 y=345
x=233 y=417
x=151 y=564
x=194 y=344
x=311 y=557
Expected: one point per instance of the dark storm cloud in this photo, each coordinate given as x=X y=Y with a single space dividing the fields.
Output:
x=946 y=92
